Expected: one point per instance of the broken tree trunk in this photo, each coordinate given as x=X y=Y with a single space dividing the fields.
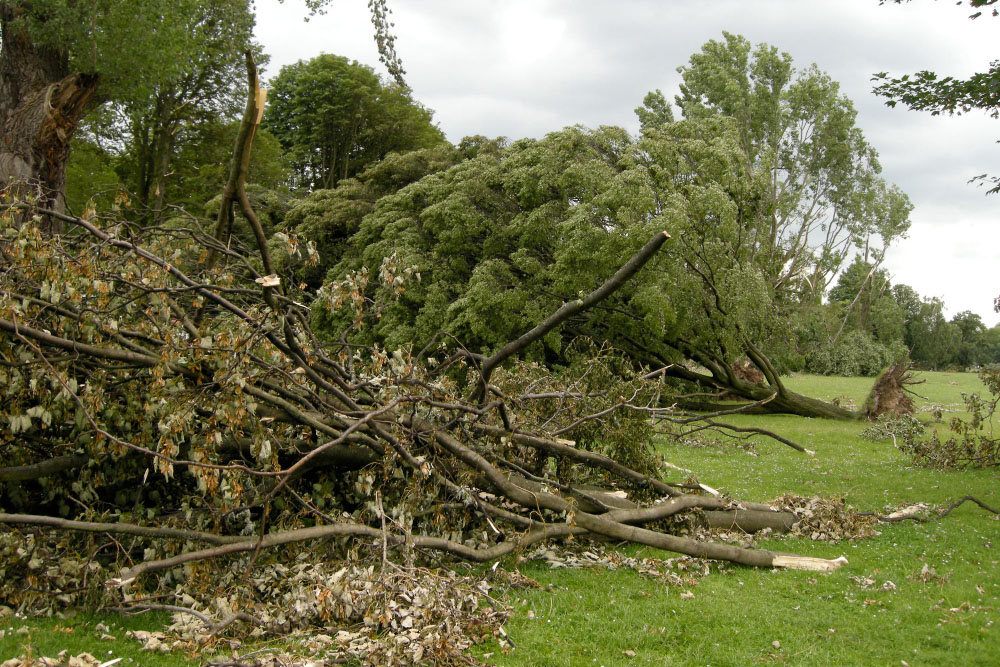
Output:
x=41 y=104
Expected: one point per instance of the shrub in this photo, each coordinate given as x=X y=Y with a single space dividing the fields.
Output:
x=904 y=429
x=857 y=353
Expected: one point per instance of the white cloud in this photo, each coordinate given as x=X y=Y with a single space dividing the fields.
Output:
x=954 y=260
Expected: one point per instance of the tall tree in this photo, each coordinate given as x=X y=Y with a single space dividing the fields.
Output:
x=59 y=57
x=973 y=349
x=334 y=116
x=147 y=130
x=863 y=291
x=908 y=301
x=825 y=196
x=935 y=340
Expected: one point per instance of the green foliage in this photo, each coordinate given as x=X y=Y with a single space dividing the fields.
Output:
x=334 y=117
x=500 y=240
x=859 y=332
x=856 y=353
x=90 y=175
x=201 y=165
x=608 y=380
x=902 y=429
x=925 y=91
x=908 y=301
x=175 y=425
x=654 y=112
x=100 y=37
x=329 y=218
x=503 y=238
x=934 y=341
x=158 y=133
x=991 y=343
x=271 y=207
x=865 y=290
x=975 y=349
x=825 y=195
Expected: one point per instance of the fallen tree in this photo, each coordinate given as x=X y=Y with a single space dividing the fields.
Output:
x=404 y=414
x=497 y=255
x=239 y=429
x=504 y=234
x=163 y=383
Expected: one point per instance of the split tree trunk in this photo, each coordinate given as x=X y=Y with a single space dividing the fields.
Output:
x=41 y=103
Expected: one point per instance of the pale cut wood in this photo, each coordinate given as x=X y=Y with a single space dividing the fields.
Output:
x=808 y=563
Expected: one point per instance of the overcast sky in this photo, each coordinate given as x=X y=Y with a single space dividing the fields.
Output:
x=523 y=68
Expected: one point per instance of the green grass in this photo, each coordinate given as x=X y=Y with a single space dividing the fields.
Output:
x=594 y=617
x=46 y=637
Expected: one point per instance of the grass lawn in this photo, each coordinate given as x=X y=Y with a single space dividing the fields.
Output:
x=46 y=637
x=949 y=617
x=918 y=594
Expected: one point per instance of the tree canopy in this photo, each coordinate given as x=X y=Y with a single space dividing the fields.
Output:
x=507 y=235
x=334 y=116
x=825 y=197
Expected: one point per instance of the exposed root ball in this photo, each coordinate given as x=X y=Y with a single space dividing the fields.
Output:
x=890 y=395
x=746 y=371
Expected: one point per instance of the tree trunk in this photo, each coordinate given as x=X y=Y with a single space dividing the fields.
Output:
x=721 y=377
x=162 y=154
x=41 y=103
x=786 y=401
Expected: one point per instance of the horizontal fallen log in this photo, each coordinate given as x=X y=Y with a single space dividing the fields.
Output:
x=750 y=521
x=567 y=449
x=720 y=513
x=118 y=528
x=918 y=511
x=271 y=540
x=603 y=525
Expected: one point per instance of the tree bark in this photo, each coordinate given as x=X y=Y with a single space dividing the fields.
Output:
x=720 y=378
x=41 y=103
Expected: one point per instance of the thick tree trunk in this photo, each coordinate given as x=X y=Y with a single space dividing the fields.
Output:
x=41 y=103
x=720 y=377
x=786 y=402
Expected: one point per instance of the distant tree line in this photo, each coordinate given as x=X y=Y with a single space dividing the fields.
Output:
x=867 y=323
